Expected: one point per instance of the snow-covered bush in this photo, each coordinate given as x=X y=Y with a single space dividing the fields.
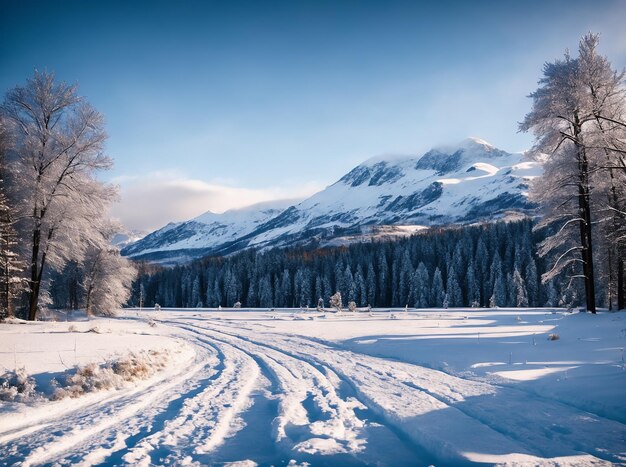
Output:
x=320 y=304
x=72 y=328
x=352 y=306
x=93 y=377
x=237 y=305
x=335 y=301
x=17 y=386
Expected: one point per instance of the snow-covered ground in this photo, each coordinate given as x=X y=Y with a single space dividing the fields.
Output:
x=269 y=387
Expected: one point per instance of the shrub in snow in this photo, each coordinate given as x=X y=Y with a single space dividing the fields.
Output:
x=237 y=305
x=17 y=386
x=152 y=323
x=352 y=306
x=335 y=301
x=320 y=304
x=553 y=337
x=93 y=377
x=157 y=307
x=72 y=328
x=94 y=329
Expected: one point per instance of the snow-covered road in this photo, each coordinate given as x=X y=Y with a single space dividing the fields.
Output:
x=273 y=388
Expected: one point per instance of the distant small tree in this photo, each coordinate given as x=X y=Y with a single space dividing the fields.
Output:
x=352 y=306
x=521 y=295
x=437 y=291
x=335 y=301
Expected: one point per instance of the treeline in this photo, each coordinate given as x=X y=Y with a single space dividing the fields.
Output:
x=487 y=265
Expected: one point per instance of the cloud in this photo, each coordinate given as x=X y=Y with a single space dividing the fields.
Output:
x=150 y=201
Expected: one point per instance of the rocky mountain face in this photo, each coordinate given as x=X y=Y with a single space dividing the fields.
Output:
x=466 y=183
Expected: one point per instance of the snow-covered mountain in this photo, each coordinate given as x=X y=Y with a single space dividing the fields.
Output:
x=181 y=241
x=468 y=182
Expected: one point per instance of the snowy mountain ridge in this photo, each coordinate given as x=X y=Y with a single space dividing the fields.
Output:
x=468 y=182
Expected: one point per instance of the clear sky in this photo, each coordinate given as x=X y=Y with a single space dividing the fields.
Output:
x=218 y=104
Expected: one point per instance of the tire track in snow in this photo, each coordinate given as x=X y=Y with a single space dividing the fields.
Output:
x=447 y=396
x=203 y=421
x=315 y=418
x=531 y=422
x=66 y=431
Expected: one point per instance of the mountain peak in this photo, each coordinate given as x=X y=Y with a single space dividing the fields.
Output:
x=470 y=144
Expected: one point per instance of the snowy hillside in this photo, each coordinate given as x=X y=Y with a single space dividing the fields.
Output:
x=469 y=182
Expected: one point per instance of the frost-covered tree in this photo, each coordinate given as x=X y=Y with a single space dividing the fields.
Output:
x=577 y=118
x=422 y=286
x=519 y=288
x=58 y=148
x=498 y=296
x=359 y=285
x=437 y=291
x=107 y=281
x=11 y=280
x=453 y=290
x=606 y=142
x=336 y=302
x=107 y=276
x=265 y=292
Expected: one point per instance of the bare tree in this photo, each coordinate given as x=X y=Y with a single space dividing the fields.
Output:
x=58 y=149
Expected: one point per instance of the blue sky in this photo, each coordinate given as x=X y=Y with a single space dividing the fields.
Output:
x=212 y=105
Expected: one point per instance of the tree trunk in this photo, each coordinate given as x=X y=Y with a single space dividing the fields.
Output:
x=585 y=222
x=33 y=294
x=620 y=284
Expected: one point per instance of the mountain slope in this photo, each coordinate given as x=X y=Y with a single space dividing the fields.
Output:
x=181 y=241
x=469 y=182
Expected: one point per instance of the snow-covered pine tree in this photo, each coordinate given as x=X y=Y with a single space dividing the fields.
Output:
x=437 y=291
x=12 y=283
x=521 y=294
x=423 y=287
x=453 y=290
x=359 y=284
x=371 y=284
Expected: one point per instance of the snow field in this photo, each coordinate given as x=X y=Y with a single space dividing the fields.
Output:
x=429 y=387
